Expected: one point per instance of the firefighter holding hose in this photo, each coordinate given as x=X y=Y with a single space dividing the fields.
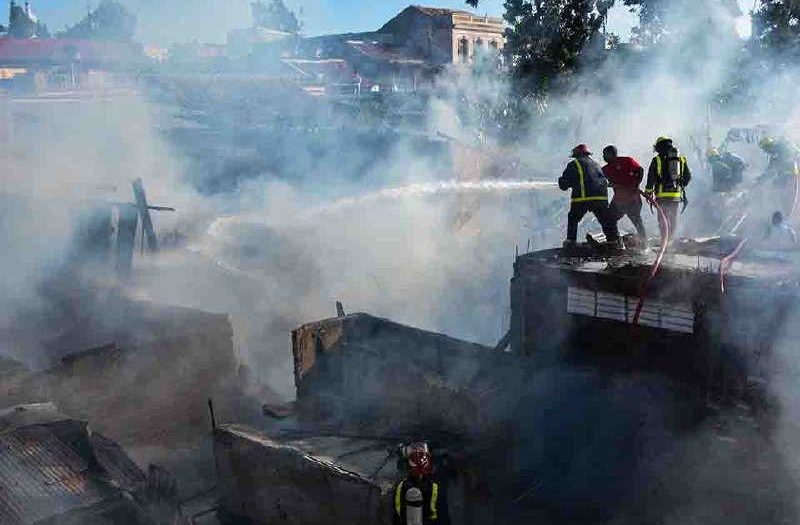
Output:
x=667 y=178
x=589 y=193
x=419 y=499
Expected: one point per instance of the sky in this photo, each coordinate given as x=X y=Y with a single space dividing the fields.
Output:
x=168 y=21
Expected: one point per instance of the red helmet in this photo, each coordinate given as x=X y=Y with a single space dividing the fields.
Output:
x=420 y=463
x=581 y=149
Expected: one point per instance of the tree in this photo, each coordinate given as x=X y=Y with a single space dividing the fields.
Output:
x=655 y=24
x=776 y=28
x=22 y=23
x=110 y=21
x=547 y=38
x=275 y=16
x=652 y=24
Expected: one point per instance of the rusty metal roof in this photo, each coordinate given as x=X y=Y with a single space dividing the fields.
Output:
x=41 y=476
x=118 y=466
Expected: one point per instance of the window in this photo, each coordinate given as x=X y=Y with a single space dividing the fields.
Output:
x=463 y=50
x=657 y=314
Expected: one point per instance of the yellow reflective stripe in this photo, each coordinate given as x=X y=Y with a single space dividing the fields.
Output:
x=585 y=199
x=667 y=194
x=434 y=501
x=580 y=179
x=398 y=499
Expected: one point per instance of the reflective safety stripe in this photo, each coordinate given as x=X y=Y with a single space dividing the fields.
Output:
x=586 y=199
x=583 y=197
x=398 y=499
x=435 y=501
x=581 y=174
x=661 y=194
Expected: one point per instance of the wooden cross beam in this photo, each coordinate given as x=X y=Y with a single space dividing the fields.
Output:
x=148 y=232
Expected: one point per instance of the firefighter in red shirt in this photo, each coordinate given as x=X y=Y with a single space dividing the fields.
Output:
x=625 y=175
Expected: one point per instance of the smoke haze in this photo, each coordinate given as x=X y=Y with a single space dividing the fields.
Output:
x=401 y=224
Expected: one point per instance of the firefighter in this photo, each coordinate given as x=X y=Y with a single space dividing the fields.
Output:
x=589 y=194
x=727 y=170
x=625 y=175
x=667 y=179
x=783 y=171
x=420 y=499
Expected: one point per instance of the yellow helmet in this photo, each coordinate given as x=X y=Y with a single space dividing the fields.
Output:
x=661 y=139
x=766 y=143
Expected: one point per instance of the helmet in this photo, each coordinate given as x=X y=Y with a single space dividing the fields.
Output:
x=712 y=153
x=767 y=143
x=661 y=140
x=580 y=150
x=420 y=461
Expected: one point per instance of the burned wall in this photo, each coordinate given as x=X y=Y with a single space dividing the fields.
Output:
x=266 y=482
x=151 y=390
x=377 y=374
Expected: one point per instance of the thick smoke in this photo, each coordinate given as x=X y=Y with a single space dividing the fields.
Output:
x=275 y=251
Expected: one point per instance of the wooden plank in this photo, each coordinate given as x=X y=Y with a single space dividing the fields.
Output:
x=144 y=212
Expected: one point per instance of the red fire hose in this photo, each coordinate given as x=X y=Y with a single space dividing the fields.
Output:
x=665 y=234
x=726 y=261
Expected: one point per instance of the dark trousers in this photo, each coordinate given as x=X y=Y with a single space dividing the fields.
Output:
x=600 y=210
x=633 y=210
x=671 y=211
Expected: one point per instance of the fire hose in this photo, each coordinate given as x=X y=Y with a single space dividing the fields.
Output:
x=665 y=234
x=726 y=261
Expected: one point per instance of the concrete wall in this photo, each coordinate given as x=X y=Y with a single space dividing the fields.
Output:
x=371 y=375
x=269 y=483
x=479 y=32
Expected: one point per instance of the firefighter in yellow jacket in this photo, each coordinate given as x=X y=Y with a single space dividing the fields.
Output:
x=667 y=178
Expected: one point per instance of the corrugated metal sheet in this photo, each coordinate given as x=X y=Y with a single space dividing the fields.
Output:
x=656 y=314
x=40 y=476
x=117 y=464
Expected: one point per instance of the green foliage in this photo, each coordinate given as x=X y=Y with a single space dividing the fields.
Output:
x=546 y=38
x=110 y=21
x=275 y=16
x=776 y=28
x=652 y=24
